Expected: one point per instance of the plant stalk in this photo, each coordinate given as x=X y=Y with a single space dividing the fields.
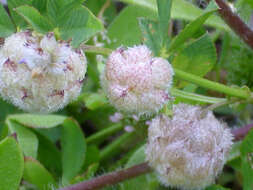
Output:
x=104 y=133
x=111 y=178
x=114 y=146
x=196 y=97
x=237 y=92
x=95 y=49
x=235 y=22
x=241 y=132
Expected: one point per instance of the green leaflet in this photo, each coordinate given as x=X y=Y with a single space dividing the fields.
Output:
x=35 y=19
x=36 y=174
x=189 y=31
x=73 y=149
x=79 y=24
x=18 y=20
x=6 y=25
x=124 y=30
x=198 y=57
x=182 y=9
x=38 y=121
x=164 y=14
x=247 y=161
x=151 y=35
x=27 y=140
x=11 y=164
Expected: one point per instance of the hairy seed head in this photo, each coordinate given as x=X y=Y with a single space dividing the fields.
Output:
x=40 y=74
x=188 y=151
x=136 y=82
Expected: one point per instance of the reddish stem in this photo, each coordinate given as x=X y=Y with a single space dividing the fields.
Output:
x=235 y=22
x=111 y=178
x=1 y=41
x=240 y=133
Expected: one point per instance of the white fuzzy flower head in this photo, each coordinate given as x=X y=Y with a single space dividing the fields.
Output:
x=135 y=82
x=188 y=150
x=39 y=74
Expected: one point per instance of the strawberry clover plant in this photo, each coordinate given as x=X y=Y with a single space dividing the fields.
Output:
x=126 y=94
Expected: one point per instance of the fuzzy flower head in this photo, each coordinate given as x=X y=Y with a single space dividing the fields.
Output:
x=135 y=82
x=189 y=150
x=39 y=74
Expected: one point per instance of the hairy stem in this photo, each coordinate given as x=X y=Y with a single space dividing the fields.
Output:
x=237 y=92
x=195 y=97
x=95 y=49
x=235 y=22
x=111 y=178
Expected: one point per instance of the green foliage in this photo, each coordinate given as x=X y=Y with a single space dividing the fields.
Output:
x=216 y=187
x=198 y=57
x=6 y=109
x=18 y=20
x=40 y=5
x=236 y=59
x=37 y=175
x=67 y=18
x=82 y=141
x=182 y=10
x=35 y=19
x=6 y=26
x=94 y=100
x=80 y=25
x=38 y=121
x=249 y=2
x=127 y=21
x=189 y=31
x=49 y=155
x=27 y=139
x=164 y=13
x=73 y=150
x=151 y=35
x=55 y=9
x=247 y=161
x=11 y=164
x=92 y=157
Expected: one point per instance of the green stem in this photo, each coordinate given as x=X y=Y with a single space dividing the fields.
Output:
x=101 y=135
x=195 y=97
x=217 y=105
x=240 y=93
x=113 y=148
x=97 y=50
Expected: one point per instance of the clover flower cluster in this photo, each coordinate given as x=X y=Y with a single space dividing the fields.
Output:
x=135 y=81
x=39 y=74
x=188 y=151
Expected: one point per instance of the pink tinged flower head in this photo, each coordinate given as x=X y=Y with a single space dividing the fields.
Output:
x=189 y=150
x=135 y=81
x=39 y=74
